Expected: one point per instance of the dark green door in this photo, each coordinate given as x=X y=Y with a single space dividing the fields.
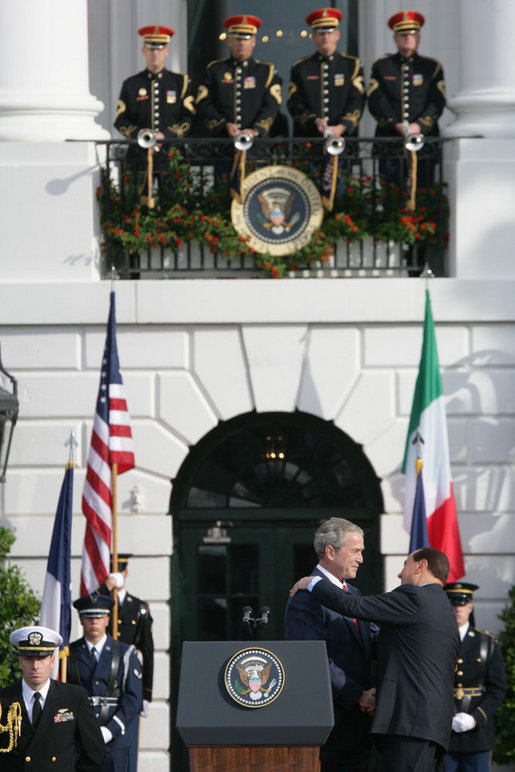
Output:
x=255 y=567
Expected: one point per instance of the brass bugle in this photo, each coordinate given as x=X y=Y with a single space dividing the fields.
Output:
x=146 y=138
x=333 y=145
x=243 y=140
x=413 y=141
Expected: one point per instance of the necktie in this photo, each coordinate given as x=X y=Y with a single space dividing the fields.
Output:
x=93 y=654
x=36 y=709
x=346 y=589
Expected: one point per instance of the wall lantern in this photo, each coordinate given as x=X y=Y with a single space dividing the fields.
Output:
x=9 y=407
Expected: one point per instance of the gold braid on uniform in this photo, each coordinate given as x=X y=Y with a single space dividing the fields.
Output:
x=353 y=117
x=264 y=124
x=213 y=123
x=372 y=86
x=427 y=121
x=127 y=131
x=304 y=118
x=120 y=108
x=13 y=726
x=179 y=129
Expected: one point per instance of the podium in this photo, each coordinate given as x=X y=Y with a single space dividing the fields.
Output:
x=283 y=734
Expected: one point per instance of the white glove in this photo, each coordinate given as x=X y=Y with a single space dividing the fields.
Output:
x=106 y=734
x=144 y=710
x=463 y=722
x=119 y=579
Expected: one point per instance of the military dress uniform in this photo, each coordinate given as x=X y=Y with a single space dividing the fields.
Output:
x=114 y=687
x=326 y=87
x=408 y=90
x=247 y=93
x=66 y=736
x=480 y=687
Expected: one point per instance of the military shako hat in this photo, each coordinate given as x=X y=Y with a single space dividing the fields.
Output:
x=460 y=593
x=94 y=605
x=242 y=26
x=35 y=641
x=406 y=22
x=324 y=19
x=156 y=36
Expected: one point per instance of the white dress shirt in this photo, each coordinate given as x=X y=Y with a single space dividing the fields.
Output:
x=28 y=696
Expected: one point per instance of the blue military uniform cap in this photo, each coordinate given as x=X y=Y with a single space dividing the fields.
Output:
x=35 y=641
x=460 y=593
x=94 y=605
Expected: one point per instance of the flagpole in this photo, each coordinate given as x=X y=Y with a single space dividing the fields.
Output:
x=114 y=476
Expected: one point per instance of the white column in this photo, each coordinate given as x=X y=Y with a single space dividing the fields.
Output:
x=486 y=102
x=44 y=92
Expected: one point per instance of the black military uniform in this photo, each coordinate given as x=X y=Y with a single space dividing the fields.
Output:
x=247 y=93
x=480 y=686
x=326 y=87
x=160 y=101
x=329 y=87
x=406 y=90
x=66 y=736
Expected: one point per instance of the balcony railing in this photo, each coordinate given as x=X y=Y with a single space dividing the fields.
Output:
x=371 y=229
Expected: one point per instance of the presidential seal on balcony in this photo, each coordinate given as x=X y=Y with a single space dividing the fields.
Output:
x=254 y=677
x=280 y=209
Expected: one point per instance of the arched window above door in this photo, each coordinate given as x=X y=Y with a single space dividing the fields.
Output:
x=277 y=460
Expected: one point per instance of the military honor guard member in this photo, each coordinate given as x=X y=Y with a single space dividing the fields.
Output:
x=134 y=627
x=239 y=93
x=155 y=98
x=480 y=687
x=110 y=672
x=45 y=724
x=327 y=90
x=406 y=89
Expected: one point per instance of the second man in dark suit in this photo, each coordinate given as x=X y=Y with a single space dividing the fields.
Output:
x=416 y=657
x=339 y=546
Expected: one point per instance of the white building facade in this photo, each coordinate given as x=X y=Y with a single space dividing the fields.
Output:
x=196 y=353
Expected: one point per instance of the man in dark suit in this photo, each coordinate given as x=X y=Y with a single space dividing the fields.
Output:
x=480 y=687
x=339 y=547
x=50 y=725
x=110 y=672
x=417 y=649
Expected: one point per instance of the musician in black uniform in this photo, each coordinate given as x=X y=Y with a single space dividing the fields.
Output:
x=239 y=93
x=155 y=98
x=407 y=92
x=110 y=672
x=50 y=725
x=327 y=90
x=480 y=686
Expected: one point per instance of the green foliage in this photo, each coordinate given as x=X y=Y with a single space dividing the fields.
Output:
x=504 y=752
x=19 y=606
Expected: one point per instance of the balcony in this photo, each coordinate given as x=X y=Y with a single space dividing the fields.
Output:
x=181 y=227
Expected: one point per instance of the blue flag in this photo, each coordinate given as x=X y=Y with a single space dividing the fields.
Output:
x=57 y=601
x=419 y=537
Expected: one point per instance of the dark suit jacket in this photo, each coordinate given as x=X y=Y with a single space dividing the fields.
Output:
x=416 y=656
x=66 y=724
x=349 y=654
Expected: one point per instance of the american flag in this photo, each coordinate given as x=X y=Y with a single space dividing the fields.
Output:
x=111 y=442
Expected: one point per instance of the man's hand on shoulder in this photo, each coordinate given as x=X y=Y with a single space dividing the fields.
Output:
x=302 y=584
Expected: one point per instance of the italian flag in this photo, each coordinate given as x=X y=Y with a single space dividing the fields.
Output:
x=428 y=442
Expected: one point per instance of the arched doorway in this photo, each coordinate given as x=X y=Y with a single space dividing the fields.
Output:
x=245 y=505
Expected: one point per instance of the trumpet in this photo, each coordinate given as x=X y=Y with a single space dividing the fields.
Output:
x=333 y=145
x=412 y=141
x=243 y=140
x=146 y=138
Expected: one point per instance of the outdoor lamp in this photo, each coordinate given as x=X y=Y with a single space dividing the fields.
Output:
x=9 y=407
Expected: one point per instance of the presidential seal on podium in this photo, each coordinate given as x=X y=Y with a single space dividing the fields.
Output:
x=254 y=677
x=280 y=211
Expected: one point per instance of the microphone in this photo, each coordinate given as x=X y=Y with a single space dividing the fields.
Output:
x=247 y=616
x=264 y=615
